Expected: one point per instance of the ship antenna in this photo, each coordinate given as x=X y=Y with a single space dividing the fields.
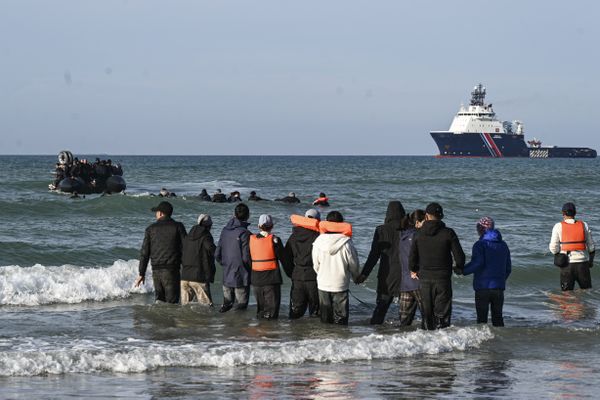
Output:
x=478 y=95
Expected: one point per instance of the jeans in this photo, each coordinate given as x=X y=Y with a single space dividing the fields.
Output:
x=334 y=307
x=437 y=303
x=236 y=297
x=166 y=285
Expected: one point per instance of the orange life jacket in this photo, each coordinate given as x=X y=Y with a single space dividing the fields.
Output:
x=336 y=227
x=262 y=253
x=305 y=222
x=320 y=200
x=573 y=236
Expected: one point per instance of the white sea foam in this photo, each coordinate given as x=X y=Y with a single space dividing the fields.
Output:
x=32 y=357
x=31 y=286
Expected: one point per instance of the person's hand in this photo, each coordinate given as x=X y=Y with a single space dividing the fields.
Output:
x=414 y=275
x=360 y=279
x=458 y=270
x=140 y=281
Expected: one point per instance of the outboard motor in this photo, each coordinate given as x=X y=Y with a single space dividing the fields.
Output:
x=115 y=184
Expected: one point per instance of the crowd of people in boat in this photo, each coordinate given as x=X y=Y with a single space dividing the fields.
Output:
x=92 y=174
x=416 y=252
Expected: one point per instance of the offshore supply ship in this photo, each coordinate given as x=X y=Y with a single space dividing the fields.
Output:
x=476 y=132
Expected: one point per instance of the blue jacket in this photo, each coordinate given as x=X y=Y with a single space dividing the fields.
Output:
x=233 y=253
x=490 y=262
x=407 y=283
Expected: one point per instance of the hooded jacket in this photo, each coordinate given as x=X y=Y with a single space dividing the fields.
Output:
x=198 y=257
x=490 y=262
x=298 y=254
x=335 y=261
x=162 y=245
x=385 y=249
x=433 y=249
x=233 y=253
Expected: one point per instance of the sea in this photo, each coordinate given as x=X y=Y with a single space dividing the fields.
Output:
x=73 y=326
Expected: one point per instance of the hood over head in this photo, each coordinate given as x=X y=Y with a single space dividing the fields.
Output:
x=197 y=232
x=492 y=235
x=331 y=242
x=431 y=227
x=395 y=213
x=235 y=223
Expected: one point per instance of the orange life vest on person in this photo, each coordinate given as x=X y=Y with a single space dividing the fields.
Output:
x=262 y=253
x=320 y=200
x=336 y=227
x=573 y=236
x=305 y=222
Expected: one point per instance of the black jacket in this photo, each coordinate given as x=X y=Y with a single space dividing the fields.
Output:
x=162 y=245
x=272 y=277
x=385 y=247
x=298 y=254
x=198 y=258
x=432 y=251
x=289 y=200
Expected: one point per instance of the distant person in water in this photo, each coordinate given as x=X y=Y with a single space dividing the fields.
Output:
x=204 y=196
x=323 y=200
x=165 y=193
x=162 y=246
x=234 y=197
x=254 y=197
x=219 y=197
x=574 y=239
x=233 y=253
x=198 y=263
x=266 y=252
x=290 y=198
x=490 y=263
x=433 y=250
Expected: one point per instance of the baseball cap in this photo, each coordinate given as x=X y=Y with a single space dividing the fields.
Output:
x=312 y=213
x=165 y=207
x=265 y=220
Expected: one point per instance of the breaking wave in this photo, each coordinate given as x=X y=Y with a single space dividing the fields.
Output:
x=31 y=357
x=37 y=285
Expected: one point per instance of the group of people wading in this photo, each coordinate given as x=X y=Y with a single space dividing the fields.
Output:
x=417 y=254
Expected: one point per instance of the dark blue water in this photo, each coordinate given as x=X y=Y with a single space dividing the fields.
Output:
x=71 y=324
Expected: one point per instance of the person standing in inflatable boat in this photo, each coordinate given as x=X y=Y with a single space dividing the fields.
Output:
x=335 y=261
x=574 y=239
x=298 y=251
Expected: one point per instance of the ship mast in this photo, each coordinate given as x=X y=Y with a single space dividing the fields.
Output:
x=478 y=95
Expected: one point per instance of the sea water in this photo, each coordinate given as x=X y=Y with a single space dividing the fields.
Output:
x=71 y=323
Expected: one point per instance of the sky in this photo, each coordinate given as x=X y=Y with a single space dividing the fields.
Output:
x=277 y=77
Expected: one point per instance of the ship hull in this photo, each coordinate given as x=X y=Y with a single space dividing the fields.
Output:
x=470 y=144
x=497 y=145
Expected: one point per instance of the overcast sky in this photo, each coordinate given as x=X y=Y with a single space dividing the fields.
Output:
x=289 y=77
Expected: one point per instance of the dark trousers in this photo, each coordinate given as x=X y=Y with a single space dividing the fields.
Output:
x=334 y=307
x=166 y=285
x=382 y=304
x=304 y=294
x=268 y=299
x=437 y=303
x=576 y=272
x=236 y=297
x=486 y=299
